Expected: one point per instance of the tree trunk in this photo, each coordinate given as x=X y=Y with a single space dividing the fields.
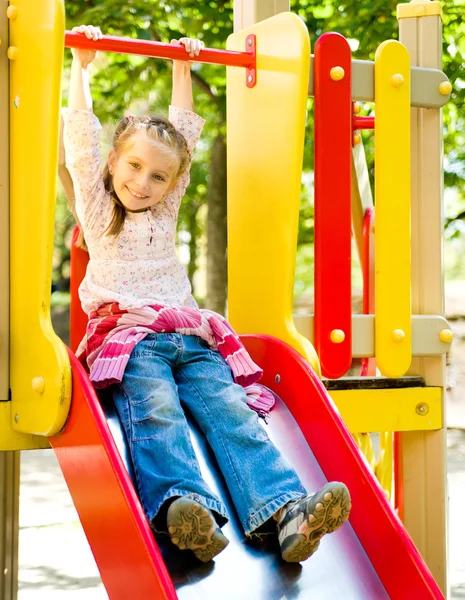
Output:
x=194 y=231
x=217 y=276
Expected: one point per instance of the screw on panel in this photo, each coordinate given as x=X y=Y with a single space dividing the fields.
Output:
x=277 y=378
x=16 y=417
x=422 y=409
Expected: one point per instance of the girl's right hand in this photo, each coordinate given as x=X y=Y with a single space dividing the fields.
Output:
x=85 y=57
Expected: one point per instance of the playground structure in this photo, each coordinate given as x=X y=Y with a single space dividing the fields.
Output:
x=47 y=399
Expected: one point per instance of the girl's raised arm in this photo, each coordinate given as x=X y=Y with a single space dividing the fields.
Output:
x=182 y=84
x=182 y=115
x=81 y=142
x=79 y=89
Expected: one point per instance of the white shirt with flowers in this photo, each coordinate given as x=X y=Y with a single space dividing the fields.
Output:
x=140 y=266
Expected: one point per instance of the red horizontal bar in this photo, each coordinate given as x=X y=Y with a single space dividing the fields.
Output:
x=364 y=123
x=110 y=43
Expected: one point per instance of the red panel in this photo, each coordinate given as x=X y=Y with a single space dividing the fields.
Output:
x=333 y=147
x=126 y=553
x=78 y=318
x=110 y=43
x=384 y=538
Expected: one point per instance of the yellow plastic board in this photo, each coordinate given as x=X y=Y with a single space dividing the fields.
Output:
x=404 y=409
x=393 y=336
x=15 y=440
x=40 y=376
x=266 y=127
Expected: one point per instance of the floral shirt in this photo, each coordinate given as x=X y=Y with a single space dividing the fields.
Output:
x=140 y=266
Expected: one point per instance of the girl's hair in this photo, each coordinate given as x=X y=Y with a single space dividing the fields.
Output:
x=164 y=136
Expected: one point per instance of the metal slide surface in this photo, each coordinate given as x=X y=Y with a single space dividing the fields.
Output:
x=92 y=453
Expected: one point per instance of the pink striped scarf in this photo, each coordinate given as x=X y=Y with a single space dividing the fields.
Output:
x=112 y=333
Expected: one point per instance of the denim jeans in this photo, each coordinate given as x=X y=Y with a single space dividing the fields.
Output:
x=167 y=372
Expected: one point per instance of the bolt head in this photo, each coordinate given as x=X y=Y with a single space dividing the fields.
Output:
x=12 y=12
x=397 y=80
x=38 y=385
x=16 y=417
x=337 y=73
x=398 y=335
x=12 y=53
x=446 y=336
x=277 y=378
x=445 y=88
x=337 y=336
x=422 y=409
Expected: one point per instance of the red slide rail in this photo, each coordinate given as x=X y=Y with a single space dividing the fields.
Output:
x=389 y=547
x=333 y=172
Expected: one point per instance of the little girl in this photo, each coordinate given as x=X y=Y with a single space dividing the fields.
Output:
x=148 y=341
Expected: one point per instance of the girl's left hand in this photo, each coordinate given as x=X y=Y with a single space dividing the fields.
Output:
x=193 y=47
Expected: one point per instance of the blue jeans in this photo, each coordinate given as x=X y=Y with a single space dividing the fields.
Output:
x=167 y=371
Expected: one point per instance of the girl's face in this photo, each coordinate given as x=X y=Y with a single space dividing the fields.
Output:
x=142 y=174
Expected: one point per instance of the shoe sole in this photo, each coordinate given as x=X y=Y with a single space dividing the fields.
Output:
x=193 y=527
x=326 y=511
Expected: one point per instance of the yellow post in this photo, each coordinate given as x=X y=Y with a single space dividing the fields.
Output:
x=40 y=376
x=393 y=335
x=265 y=151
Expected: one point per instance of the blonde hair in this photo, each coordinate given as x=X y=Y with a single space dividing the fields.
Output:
x=164 y=135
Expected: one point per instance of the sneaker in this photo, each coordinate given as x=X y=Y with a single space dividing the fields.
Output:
x=191 y=526
x=302 y=523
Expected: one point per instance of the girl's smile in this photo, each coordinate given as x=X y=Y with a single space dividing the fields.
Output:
x=135 y=194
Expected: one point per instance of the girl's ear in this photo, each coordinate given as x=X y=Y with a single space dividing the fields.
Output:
x=111 y=161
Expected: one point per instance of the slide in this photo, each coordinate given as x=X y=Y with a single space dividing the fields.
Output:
x=371 y=558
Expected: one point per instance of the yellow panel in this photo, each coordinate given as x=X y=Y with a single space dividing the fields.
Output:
x=14 y=440
x=393 y=337
x=40 y=376
x=407 y=409
x=266 y=127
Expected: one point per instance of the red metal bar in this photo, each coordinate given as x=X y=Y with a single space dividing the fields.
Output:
x=333 y=215
x=363 y=122
x=110 y=43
